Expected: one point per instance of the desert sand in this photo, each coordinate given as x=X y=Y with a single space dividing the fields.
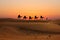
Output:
x=29 y=31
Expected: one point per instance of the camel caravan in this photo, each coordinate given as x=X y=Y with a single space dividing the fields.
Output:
x=30 y=17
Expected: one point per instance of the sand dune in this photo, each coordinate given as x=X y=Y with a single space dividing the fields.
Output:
x=29 y=31
x=47 y=27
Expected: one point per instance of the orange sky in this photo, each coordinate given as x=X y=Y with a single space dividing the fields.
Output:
x=11 y=8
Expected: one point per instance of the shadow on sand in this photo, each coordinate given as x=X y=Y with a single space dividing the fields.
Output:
x=31 y=31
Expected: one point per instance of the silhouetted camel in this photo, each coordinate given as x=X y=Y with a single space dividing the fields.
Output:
x=30 y=17
x=24 y=17
x=19 y=16
x=41 y=17
x=35 y=17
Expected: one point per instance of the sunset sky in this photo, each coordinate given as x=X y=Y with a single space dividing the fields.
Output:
x=11 y=8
